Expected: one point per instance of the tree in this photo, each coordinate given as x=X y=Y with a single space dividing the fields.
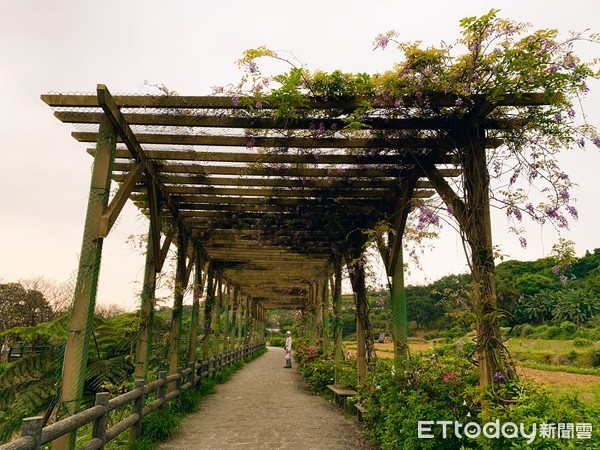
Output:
x=22 y=307
x=58 y=294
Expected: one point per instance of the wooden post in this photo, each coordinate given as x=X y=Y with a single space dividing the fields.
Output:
x=217 y=317
x=198 y=287
x=399 y=313
x=192 y=376
x=357 y=276
x=319 y=310
x=161 y=393
x=137 y=408
x=473 y=216
x=325 y=332
x=208 y=311
x=337 y=316
x=226 y=325
x=101 y=423
x=147 y=312
x=32 y=427
x=234 y=319
x=82 y=314
x=180 y=285
x=263 y=328
x=491 y=352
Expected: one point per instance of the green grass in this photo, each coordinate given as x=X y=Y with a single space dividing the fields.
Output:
x=568 y=369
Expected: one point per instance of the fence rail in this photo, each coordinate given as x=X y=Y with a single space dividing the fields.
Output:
x=34 y=435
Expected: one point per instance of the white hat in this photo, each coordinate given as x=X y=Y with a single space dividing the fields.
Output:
x=288 y=332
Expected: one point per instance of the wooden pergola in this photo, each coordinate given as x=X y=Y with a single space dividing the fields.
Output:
x=270 y=204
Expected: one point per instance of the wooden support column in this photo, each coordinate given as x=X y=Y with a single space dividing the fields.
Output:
x=234 y=318
x=208 y=311
x=363 y=338
x=473 y=216
x=399 y=311
x=82 y=314
x=264 y=325
x=199 y=278
x=337 y=316
x=227 y=311
x=217 y=316
x=180 y=285
x=325 y=314
x=310 y=318
x=247 y=304
x=394 y=264
x=147 y=312
x=319 y=310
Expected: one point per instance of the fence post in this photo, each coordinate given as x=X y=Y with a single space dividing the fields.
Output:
x=179 y=382
x=162 y=391
x=192 y=376
x=137 y=408
x=100 y=424
x=32 y=427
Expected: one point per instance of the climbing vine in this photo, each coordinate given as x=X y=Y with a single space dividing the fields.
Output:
x=511 y=146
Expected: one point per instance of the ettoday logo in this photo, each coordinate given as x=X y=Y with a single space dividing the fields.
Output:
x=494 y=430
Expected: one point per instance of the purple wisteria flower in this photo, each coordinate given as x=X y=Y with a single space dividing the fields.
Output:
x=596 y=141
x=235 y=100
x=564 y=195
x=555 y=270
x=523 y=242
x=252 y=67
x=259 y=105
x=383 y=42
x=563 y=279
x=498 y=377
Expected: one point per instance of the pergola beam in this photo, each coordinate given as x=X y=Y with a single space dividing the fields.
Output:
x=267 y=123
x=214 y=102
x=285 y=142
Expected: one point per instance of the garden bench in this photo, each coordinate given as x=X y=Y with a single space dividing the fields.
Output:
x=340 y=393
x=360 y=410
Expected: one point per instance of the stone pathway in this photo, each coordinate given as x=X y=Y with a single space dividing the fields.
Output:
x=264 y=406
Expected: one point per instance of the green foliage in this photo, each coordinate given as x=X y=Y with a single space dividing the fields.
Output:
x=277 y=341
x=26 y=387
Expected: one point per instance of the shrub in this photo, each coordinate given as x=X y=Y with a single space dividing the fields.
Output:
x=277 y=341
x=582 y=342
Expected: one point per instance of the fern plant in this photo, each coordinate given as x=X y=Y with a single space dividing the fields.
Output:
x=29 y=385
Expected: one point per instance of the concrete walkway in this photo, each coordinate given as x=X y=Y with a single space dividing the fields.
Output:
x=264 y=406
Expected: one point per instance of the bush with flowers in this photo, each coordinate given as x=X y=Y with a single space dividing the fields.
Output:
x=318 y=368
x=444 y=387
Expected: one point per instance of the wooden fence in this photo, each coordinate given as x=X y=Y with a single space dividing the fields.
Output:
x=20 y=351
x=34 y=435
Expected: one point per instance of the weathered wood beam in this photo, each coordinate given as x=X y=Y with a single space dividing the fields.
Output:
x=120 y=198
x=154 y=205
x=279 y=158
x=288 y=193
x=401 y=210
x=330 y=183
x=164 y=250
x=214 y=102
x=267 y=123
x=287 y=142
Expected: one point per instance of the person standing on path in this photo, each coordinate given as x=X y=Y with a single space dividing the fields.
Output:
x=288 y=350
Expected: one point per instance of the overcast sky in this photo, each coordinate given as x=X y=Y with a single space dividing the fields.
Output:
x=70 y=46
